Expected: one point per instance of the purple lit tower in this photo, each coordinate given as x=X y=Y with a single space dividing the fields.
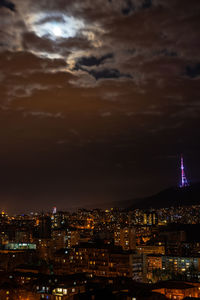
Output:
x=184 y=181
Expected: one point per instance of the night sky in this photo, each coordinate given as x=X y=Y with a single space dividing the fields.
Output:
x=98 y=99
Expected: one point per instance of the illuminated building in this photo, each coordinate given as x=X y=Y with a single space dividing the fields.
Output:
x=148 y=249
x=150 y=218
x=58 y=220
x=73 y=238
x=106 y=261
x=24 y=276
x=180 y=264
x=168 y=265
x=65 y=292
x=58 y=239
x=125 y=238
x=20 y=246
x=154 y=262
x=3 y=217
x=36 y=286
x=7 y=292
x=60 y=287
x=44 y=249
x=117 y=235
x=178 y=290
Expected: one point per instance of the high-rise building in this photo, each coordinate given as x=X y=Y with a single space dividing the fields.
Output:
x=126 y=238
x=58 y=220
x=59 y=238
x=150 y=218
x=72 y=238
x=104 y=261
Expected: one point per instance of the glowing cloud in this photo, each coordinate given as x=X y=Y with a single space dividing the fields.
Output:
x=54 y=26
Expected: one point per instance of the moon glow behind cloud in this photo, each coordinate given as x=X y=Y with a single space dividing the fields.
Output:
x=56 y=26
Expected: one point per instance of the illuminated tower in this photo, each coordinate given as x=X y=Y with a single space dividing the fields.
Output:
x=184 y=181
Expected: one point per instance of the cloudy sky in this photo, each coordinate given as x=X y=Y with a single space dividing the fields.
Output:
x=97 y=100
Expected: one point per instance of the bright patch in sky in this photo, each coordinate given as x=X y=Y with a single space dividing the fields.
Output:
x=57 y=31
x=54 y=27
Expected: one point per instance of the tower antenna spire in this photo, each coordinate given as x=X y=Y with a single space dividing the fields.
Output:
x=184 y=181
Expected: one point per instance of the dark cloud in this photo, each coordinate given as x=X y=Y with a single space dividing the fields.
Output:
x=147 y=4
x=7 y=4
x=108 y=74
x=90 y=61
x=193 y=71
x=128 y=7
x=165 y=52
